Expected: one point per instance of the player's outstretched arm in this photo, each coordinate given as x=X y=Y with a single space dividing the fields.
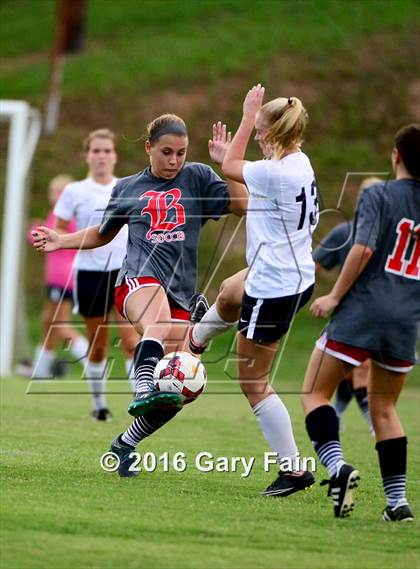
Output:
x=355 y=263
x=233 y=162
x=46 y=240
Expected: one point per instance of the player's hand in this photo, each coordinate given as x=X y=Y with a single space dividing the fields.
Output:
x=323 y=305
x=218 y=145
x=45 y=239
x=253 y=102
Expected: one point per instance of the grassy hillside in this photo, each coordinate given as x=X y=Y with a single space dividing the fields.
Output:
x=352 y=63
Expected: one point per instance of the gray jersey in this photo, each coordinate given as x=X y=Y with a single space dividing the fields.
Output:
x=334 y=248
x=381 y=311
x=164 y=219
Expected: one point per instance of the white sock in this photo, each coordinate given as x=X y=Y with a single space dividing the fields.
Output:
x=129 y=370
x=211 y=325
x=43 y=361
x=79 y=347
x=274 y=420
x=95 y=373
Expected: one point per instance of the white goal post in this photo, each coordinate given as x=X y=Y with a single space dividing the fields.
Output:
x=25 y=128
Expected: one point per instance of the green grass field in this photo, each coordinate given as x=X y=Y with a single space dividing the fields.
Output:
x=60 y=510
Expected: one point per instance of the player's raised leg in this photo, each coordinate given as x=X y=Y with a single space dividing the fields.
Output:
x=149 y=312
x=222 y=315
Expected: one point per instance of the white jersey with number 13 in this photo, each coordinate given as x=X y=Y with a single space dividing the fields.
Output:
x=282 y=214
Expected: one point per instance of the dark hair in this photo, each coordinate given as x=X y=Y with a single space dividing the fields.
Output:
x=165 y=124
x=407 y=142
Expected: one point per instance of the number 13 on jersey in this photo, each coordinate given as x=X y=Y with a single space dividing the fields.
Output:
x=314 y=208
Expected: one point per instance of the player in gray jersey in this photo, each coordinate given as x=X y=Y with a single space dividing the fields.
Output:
x=376 y=303
x=331 y=253
x=165 y=207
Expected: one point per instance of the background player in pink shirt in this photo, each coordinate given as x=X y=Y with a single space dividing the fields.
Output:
x=56 y=315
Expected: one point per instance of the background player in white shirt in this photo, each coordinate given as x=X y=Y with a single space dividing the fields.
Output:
x=282 y=208
x=95 y=271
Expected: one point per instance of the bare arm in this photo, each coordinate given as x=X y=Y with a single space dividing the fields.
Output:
x=238 y=197
x=355 y=263
x=61 y=225
x=47 y=240
x=233 y=162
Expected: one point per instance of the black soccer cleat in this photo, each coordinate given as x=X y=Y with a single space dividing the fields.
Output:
x=102 y=415
x=198 y=307
x=341 y=490
x=288 y=483
x=399 y=513
x=123 y=452
x=151 y=400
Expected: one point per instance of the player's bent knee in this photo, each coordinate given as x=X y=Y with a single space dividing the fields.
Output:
x=381 y=414
x=224 y=300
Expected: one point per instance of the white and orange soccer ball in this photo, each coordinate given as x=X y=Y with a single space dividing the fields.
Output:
x=181 y=372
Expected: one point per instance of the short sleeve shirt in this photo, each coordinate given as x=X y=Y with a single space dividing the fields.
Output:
x=85 y=202
x=381 y=311
x=282 y=213
x=164 y=220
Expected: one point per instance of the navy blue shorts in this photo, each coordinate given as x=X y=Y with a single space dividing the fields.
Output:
x=268 y=319
x=94 y=292
x=57 y=293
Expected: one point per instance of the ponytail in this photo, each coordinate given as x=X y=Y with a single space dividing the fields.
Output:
x=287 y=119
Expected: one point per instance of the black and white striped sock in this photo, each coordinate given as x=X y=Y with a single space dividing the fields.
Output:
x=330 y=455
x=394 y=488
x=392 y=455
x=146 y=357
x=146 y=425
x=322 y=428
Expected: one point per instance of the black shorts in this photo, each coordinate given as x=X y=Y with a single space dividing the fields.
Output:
x=268 y=319
x=94 y=292
x=58 y=293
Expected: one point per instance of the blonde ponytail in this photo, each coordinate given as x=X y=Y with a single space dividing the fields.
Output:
x=287 y=119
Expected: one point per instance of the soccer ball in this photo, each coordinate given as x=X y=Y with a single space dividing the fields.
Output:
x=181 y=372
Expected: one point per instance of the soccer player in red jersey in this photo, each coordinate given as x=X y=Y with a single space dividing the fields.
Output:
x=165 y=205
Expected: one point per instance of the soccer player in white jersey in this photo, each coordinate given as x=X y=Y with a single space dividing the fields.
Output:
x=96 y=271
x=282 y=208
